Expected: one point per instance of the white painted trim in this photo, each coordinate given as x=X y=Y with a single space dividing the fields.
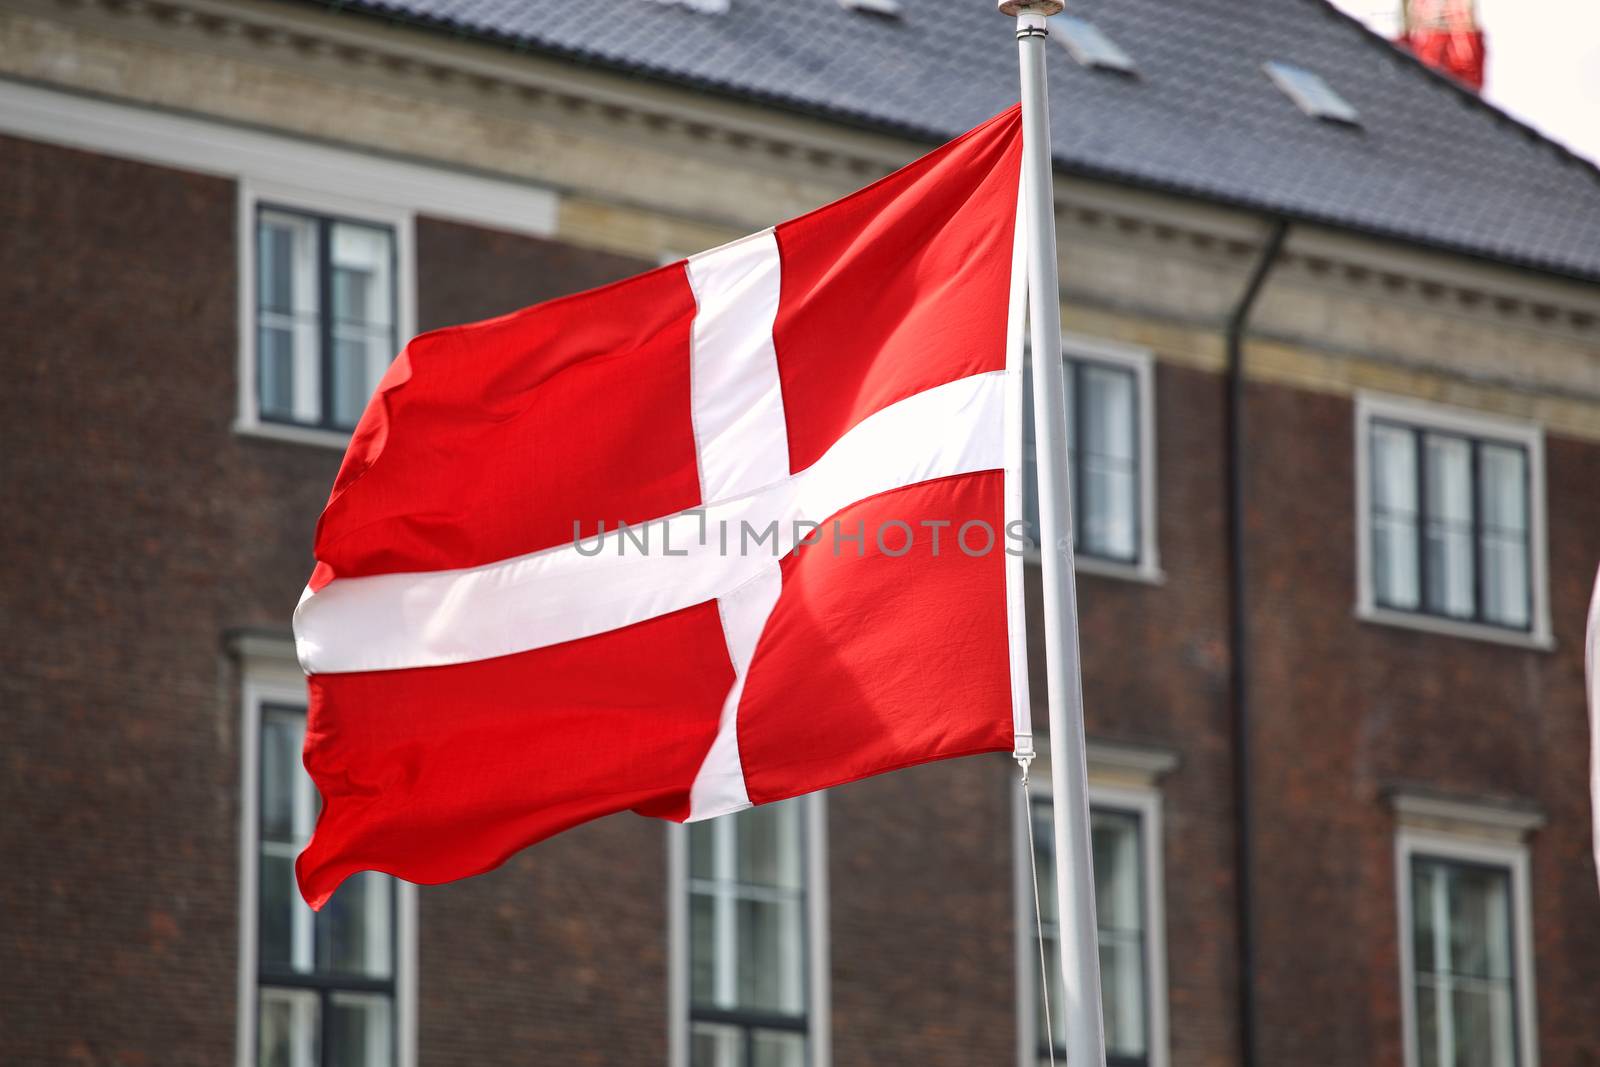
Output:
x=1146 y=802
x=1116 y=763
x=1474 y=424
x=238 y=152
x=269 y=674
x=1146 y=763
x=1106 y=568
x=819 y=986
x=251 y=194
x=1410 y=842
x=1463 y=816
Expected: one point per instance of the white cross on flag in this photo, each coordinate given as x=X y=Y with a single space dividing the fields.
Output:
x=804 y=432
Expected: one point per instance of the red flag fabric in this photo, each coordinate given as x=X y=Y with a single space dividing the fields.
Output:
x=802 y=433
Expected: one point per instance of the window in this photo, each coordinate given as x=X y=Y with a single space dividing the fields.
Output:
x=1090 y=46
x=325 y=316
x=333 y=988
x=1465 y=938
x=749 y=960
x=1110 y=446
x=327 y=302
x=1125 y=834
x=1451 y=519
x=1311 y=94
x=326 y=978
x=1464 y=988
x=1120 y=912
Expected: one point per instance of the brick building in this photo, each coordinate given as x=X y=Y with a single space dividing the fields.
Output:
x=1334 y=332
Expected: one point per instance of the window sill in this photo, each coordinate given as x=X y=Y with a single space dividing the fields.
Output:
x=300 y=435
x=1104 y=568
x=1537 y=640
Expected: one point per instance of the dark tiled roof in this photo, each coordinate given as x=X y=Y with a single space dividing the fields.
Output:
x=1430 y=163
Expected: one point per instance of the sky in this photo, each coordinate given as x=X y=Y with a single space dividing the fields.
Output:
x=1543 y=62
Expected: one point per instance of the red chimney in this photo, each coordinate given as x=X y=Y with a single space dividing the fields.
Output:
x=1444 y=34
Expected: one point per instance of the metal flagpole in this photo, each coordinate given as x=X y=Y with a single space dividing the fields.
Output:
x=1069 y=777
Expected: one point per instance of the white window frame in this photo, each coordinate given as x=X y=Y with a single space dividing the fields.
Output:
x=1418 y=413
x=1491 y=835
x=254 y=195
x=271 y=675
x=819 y=1016
x=1083 y=347
x=1122 y=778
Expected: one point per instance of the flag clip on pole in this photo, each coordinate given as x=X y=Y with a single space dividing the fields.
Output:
x=1080 y=953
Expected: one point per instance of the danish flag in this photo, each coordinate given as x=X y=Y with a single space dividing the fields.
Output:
x=492 y=660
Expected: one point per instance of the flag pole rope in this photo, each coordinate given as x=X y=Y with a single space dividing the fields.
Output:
x=1038 y=912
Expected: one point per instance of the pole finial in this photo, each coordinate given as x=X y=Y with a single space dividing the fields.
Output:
x=1031 y=7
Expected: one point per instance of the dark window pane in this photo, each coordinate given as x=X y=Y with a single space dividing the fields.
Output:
x=276 y=265
x=703 y=951
x=351 y=384
x=279 y=898
x=362 y=274
x=771 y=962
x=768 y=845
x=290 y=1031
x=281 y=772
x=1428 y=1025
x=353 y=935
x=1044 y=843
x=1106 y=459
x=713 y=1045
x=1122 y=993
x=352 y=295
x=1451 y=569
x=360 y=1031
x=778 y=1048
x=1503 y=492
x=1396 y=580
x=702 y=846
x=1423 y=913
x=275 y=350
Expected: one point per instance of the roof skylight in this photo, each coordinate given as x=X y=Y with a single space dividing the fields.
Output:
x=1089 y=45
x=1311 y=94
x=705 y=7
x=887 y=8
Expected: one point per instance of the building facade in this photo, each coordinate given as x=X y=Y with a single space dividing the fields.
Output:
x=1332 y=670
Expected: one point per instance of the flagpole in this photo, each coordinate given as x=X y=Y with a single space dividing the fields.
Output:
x=1069 y=777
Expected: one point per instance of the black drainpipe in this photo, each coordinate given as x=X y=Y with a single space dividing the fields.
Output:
x=1239 y=641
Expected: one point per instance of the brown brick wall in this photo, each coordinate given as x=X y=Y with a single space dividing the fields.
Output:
x=922 y=925
x=140 y=528
x=1345 y=709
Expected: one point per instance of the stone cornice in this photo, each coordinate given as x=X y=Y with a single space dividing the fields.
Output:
x=1424 y=809
x=479 y=72
x=476 y=75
